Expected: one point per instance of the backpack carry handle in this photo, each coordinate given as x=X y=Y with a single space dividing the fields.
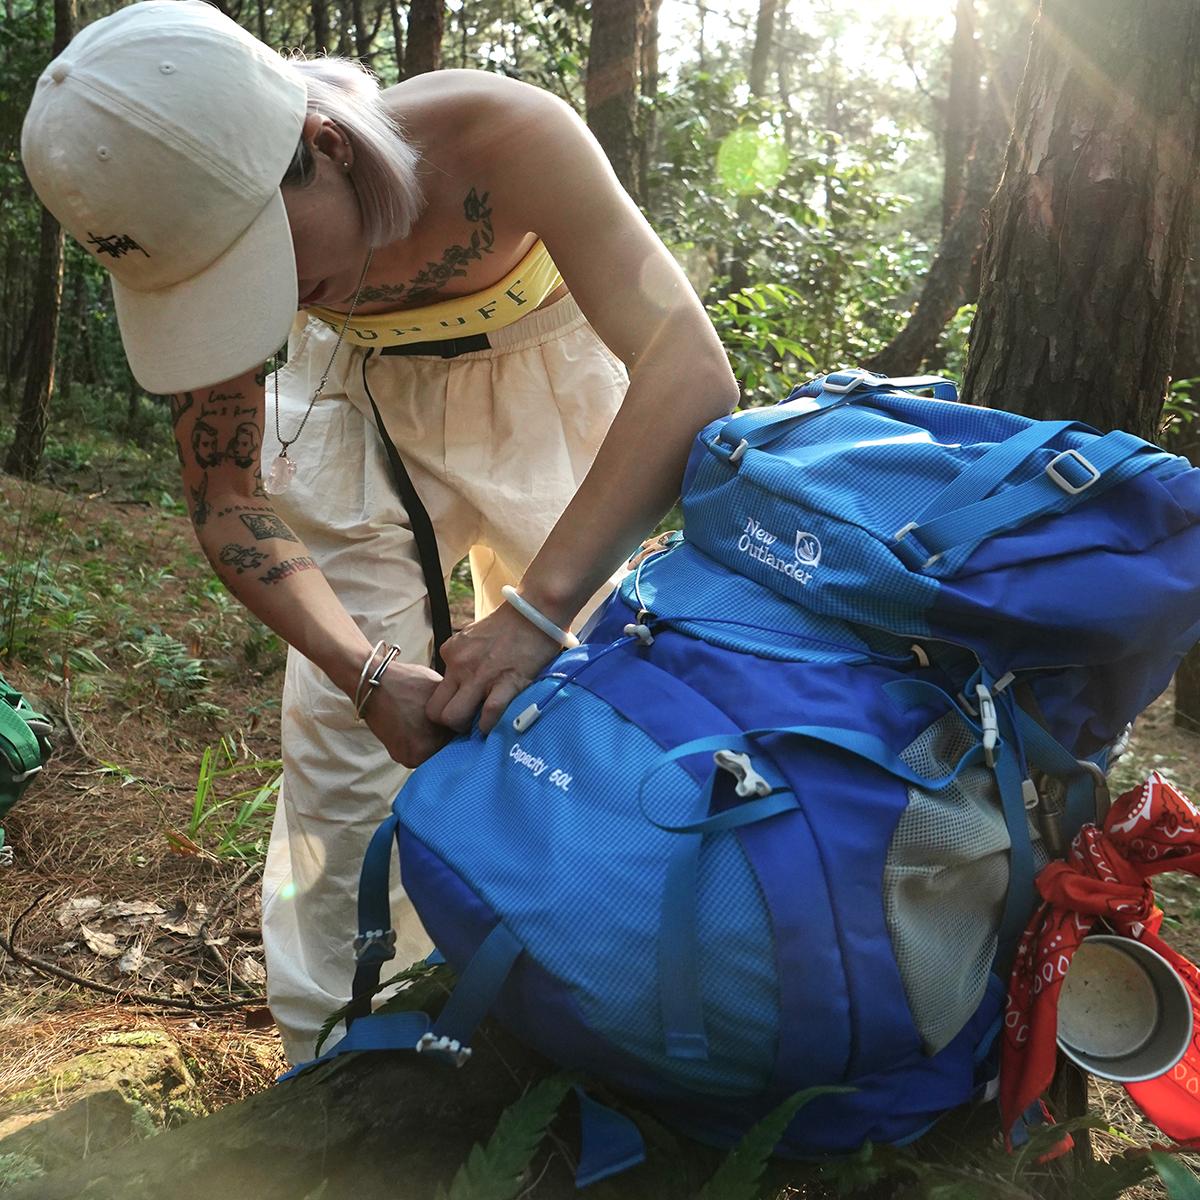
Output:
x=756 y=428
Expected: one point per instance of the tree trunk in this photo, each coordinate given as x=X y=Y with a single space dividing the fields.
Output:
x=1083 y=270
x=367 y=1126
x=424 y=52
x=962 y=111
x=760 y=53
x=1186 y=440
x=648 y=134
x=320 y=26
x=29 y=437
x=397 y=37
x=614 y=55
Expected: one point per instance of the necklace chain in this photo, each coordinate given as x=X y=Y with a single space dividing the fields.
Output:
x=325 y=375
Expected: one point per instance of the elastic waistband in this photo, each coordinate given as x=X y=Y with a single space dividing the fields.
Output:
x=539 y=326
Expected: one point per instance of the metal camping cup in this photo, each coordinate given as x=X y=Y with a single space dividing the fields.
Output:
x=1123 y=1012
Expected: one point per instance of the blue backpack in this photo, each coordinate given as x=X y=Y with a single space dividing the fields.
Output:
x=774 y=825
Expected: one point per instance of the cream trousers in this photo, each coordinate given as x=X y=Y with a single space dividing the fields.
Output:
x=496 y=442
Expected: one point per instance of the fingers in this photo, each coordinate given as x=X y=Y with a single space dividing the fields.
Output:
x=461 y=707
x=504 y=690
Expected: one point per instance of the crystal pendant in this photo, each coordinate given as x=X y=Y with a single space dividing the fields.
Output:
x=280 y=476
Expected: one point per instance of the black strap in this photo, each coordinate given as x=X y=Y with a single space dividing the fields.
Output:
x=445 y=348
x=422 y=527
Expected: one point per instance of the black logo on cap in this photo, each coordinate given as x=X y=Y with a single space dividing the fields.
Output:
x=115 y=244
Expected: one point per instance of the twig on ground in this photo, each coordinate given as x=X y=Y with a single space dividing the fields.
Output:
x=123 y=995
x=202 y=938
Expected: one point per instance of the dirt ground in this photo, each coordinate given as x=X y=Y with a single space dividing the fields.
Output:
x=139 y=902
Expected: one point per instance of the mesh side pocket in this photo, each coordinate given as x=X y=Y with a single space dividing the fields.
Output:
x=944 y=884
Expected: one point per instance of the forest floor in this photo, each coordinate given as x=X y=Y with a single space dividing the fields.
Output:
x=136 y=856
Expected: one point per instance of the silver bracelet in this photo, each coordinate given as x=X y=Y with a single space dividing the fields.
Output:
x=366 y=670
x=368 y=683
x=564 y=637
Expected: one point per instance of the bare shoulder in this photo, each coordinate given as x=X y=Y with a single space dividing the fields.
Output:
x=476 y=98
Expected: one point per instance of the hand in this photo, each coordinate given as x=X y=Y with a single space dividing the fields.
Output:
x=487 y=664
x=395 y=714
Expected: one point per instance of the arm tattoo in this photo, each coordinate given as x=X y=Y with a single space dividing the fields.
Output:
x=289 y=566
x=242 y=558
x=201 y=509
x=180 y=405
x=428 y=283
x=267 y=526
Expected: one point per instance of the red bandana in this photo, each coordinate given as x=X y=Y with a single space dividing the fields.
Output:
x=1150 y=829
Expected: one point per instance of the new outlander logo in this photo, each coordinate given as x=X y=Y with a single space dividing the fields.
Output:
x=759 y=543
x=808 y=549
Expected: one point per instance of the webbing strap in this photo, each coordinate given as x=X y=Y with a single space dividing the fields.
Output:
x=375 y=943
x=993 y=467
x=381 y=1031
x=423 y=533
x=1018 y=900
x=917 y=543
x=473 y=996
x=757 y=428
x=478 y=985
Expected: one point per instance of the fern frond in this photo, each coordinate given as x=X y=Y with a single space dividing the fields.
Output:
x=497 y=1171
x=737 y=1177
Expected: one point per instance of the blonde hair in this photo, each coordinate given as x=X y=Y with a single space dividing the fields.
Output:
x=384 y=172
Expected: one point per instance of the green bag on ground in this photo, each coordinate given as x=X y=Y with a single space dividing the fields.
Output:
x=24 y=746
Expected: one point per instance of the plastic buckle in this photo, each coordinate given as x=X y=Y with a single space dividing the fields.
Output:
x=738 y=450
x=1062 y=481
x=988 y=723
x=749 y=781
x=454 y=1050
x=369 y=946
x=847 y=381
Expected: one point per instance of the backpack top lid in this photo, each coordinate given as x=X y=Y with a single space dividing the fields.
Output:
x=1032 y=544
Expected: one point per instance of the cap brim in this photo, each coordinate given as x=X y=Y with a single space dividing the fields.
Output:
x=220 y=323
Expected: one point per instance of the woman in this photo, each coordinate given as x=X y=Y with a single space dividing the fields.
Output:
x=464 y=259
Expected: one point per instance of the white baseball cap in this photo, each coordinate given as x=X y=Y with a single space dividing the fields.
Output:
x=158 y=139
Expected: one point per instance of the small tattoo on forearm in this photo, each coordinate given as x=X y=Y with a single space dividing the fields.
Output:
x=266 y=527
x=289 y=566
x=242 y=558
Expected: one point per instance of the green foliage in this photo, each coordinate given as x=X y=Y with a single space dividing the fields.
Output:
x=801 y=219
x=498 y=1170
x=760 y=328
x=244 y=834
x=738 y=1176
x=1181 y=1181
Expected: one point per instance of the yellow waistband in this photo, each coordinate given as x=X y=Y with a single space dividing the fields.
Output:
x=518 y=293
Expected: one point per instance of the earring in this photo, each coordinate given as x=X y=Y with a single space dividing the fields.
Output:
x=345 y=166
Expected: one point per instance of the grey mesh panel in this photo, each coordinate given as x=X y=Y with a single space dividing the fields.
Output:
x=944 y=884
